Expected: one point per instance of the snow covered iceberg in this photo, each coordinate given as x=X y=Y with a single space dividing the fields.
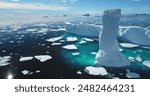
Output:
x=109 y=54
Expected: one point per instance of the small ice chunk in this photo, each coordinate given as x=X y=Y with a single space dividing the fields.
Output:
x=131 y=58
x=43 y=58
x=54 y=39
x=25 y=72
x=82 y=42
x=37 y=71
x=128 y=45
x=53 y=44
x=4 y=61
x=96 y=70
x=146 y=47
x=120 y=49
x=93 y=53
x=62 y=29
x=31 y=30
x=79 y=72
x=25 y=59
x=43 y=30
x=146 y=63
x=72 y=39
x=70 y=47
x=132 y=75
x=75 y=53
x=138 y=58
x=87 y=39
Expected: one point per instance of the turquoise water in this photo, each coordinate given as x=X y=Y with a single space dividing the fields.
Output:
x=85 y=58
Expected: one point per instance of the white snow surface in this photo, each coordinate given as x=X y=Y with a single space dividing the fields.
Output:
x=70 y=47
x=43 y=58
x=96 y=70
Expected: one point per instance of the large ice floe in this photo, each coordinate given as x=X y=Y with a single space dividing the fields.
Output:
x=4 y=61
x=70 y=47
x=43 y=58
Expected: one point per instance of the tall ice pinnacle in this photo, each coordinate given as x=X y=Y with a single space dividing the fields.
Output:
x=109 y=54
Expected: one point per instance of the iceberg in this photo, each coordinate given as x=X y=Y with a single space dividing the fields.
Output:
x=43 y=58
x=109 y=54
x=70 y=47
x=96 y=70
x=25 y=59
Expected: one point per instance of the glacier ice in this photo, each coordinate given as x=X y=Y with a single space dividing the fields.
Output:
x=43 y=58
x=109 y=54
x=96 y=70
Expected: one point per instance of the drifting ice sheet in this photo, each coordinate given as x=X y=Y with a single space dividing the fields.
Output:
x=128 y=45
x=25 y=59
x=70 y=47
x=4 y=61
x=54 y=39
x=43 y=58
x=96 y=70
x=132 y=75
x=146 y=63
x=72 y=39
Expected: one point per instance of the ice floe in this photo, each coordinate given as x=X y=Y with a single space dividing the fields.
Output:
x=75 y=53
x=43 y=58
x=138 y=58
x=93 y=53
x=128 y=45
x=146 y=63
x=37 y=71
x=132 y=75
x=79 y=72
x=25 y=58
x=87 y=39
x=82 y=42
x=96 y=70
x=54 y=39
x=43 y=30
x=70 y=47
x=25 y=72
x=72 y=39
x=54 y=44
x=4 y=61
x=132 y=59
x=31 y=30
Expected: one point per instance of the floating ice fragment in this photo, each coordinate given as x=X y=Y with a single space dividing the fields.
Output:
x=75 y=53
x=4 y=61
x=131 y=58
x=120 y=49
x=79 y=72
x=87 y=39
x=53 y=44
x=25 y=72
x=138 y=58
x=93 y=53
x=25 y=59
x=96 y=70
x=72 y=39
x=37 y=71
x=70 y=47
x=43 y=30
x=54 y=39
x=31 y=30
x=82 y=42
x=43 y=58
x=146 y=63
x=132 y=75
x=128 y=45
